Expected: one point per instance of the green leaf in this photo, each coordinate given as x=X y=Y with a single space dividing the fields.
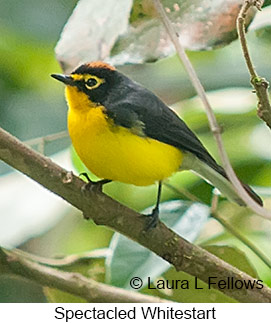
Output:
x=57 y=296
x=267 y=3
x=15 y=289
x=129 y=259
x=233 y=256
x=259 y=238
x=92 y=267
x=262 y=24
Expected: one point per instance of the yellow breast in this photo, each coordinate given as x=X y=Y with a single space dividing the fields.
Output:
x=115 y=153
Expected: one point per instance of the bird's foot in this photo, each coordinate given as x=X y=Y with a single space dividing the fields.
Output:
x=93 y=186
x=151 y=219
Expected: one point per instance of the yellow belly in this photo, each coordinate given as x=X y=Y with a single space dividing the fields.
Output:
x=113 y=152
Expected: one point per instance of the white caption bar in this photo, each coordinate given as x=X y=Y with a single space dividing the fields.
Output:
x=47 y=313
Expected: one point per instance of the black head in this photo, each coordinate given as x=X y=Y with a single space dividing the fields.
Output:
x=94 y=79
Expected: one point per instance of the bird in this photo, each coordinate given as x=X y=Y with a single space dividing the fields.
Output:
x=124 y=132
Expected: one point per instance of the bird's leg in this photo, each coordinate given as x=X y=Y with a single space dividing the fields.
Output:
x=152 y=219
x=90 y=185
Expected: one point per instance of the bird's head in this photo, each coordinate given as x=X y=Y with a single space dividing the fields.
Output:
x=89 y=83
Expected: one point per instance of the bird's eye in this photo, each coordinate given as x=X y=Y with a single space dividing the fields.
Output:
x=90 y=83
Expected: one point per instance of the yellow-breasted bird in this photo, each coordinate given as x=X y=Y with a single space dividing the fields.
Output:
x=123 y=132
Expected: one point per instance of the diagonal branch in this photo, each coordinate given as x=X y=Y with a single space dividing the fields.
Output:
x=260 y=84
x=183 y=255
x=74 y=283
x=211 y=117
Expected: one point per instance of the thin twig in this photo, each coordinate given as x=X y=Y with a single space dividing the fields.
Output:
x=183 y=192
x=41 y=141
x=211 y=117
x=215 y=214
x=260 y=84
x=103 y=210
x=242 y=238
x=241 y=32
x=237 y=234
x=70 y=282
x=65 y=261
x=214 y=203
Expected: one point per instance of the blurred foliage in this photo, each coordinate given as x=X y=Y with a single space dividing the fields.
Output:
x=141 y=38
x=32 y=105
x=262 y=24
x=185 y=218
x=16 y=290
x=28 y=37
x=267 y=3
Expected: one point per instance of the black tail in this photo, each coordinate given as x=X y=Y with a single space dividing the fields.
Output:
x=248 y=189
x=252 y=194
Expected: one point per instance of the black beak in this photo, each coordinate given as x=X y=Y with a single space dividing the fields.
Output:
x=66 y=79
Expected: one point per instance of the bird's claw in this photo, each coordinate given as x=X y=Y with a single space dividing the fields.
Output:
x=92 y=186
x=151 y=219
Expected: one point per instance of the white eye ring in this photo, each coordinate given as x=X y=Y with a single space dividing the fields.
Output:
x=91 y=83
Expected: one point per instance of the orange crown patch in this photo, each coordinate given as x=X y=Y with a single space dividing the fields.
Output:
x=100 y=64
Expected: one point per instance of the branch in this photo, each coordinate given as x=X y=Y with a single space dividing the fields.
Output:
x=260 y=84
x=83 y=258
x=74 y=283
x=211 y=117
x=216 y=215
x=183 y=255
